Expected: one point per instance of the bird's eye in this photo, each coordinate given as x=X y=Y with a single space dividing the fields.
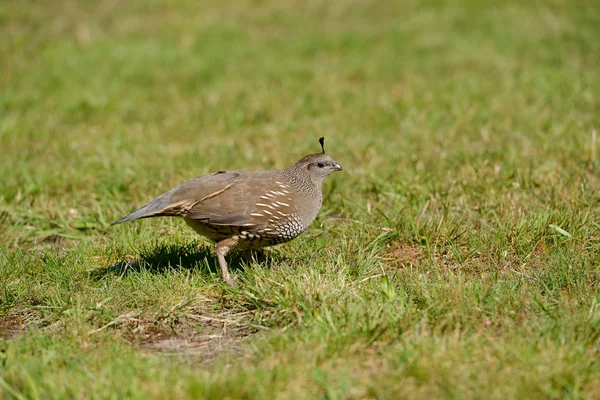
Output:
x=320 y=165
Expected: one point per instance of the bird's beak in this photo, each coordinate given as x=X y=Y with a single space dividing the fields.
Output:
x=337 y=167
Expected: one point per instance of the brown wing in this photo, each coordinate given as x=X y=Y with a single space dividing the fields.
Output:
x=238 y=204
x=221 y=198
x=181 y=199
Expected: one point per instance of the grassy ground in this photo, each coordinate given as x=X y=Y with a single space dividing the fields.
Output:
x=456 y=256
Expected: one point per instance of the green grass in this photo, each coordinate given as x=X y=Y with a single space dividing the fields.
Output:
x=456 y=256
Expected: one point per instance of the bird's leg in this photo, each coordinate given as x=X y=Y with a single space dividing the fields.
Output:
x=222 y=248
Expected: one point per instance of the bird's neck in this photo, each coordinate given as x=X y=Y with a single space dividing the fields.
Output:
x=300 y=180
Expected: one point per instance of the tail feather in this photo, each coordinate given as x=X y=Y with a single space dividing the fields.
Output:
x=152 y=209
x=141 y=213
x=161 y=206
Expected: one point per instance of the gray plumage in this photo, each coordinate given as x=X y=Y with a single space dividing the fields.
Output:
x=247 y=209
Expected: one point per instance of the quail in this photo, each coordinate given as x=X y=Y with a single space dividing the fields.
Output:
x=247 y=209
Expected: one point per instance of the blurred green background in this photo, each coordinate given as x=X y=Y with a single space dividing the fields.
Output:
x=456 y=255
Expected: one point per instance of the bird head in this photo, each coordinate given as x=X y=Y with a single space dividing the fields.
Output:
x=319 y=165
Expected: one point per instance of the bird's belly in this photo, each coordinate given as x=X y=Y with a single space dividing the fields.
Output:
x=247 y=238
x=214 y=233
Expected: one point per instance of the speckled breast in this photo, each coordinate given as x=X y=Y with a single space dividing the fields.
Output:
x=249 y=237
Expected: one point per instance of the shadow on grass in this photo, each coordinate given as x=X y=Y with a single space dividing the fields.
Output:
x=165 y=257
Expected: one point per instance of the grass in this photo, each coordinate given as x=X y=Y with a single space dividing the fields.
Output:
x=456 y=256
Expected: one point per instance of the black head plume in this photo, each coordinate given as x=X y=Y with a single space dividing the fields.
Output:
x=322 y=141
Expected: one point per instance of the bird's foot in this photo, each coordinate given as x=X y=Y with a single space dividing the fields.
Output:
x=231 y=280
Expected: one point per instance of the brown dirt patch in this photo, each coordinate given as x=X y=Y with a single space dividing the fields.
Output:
x=190 y=332
x=13 y=324
x=201 y=338
x=404 y=255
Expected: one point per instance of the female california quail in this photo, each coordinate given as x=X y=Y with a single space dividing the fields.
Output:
x=247 y=209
